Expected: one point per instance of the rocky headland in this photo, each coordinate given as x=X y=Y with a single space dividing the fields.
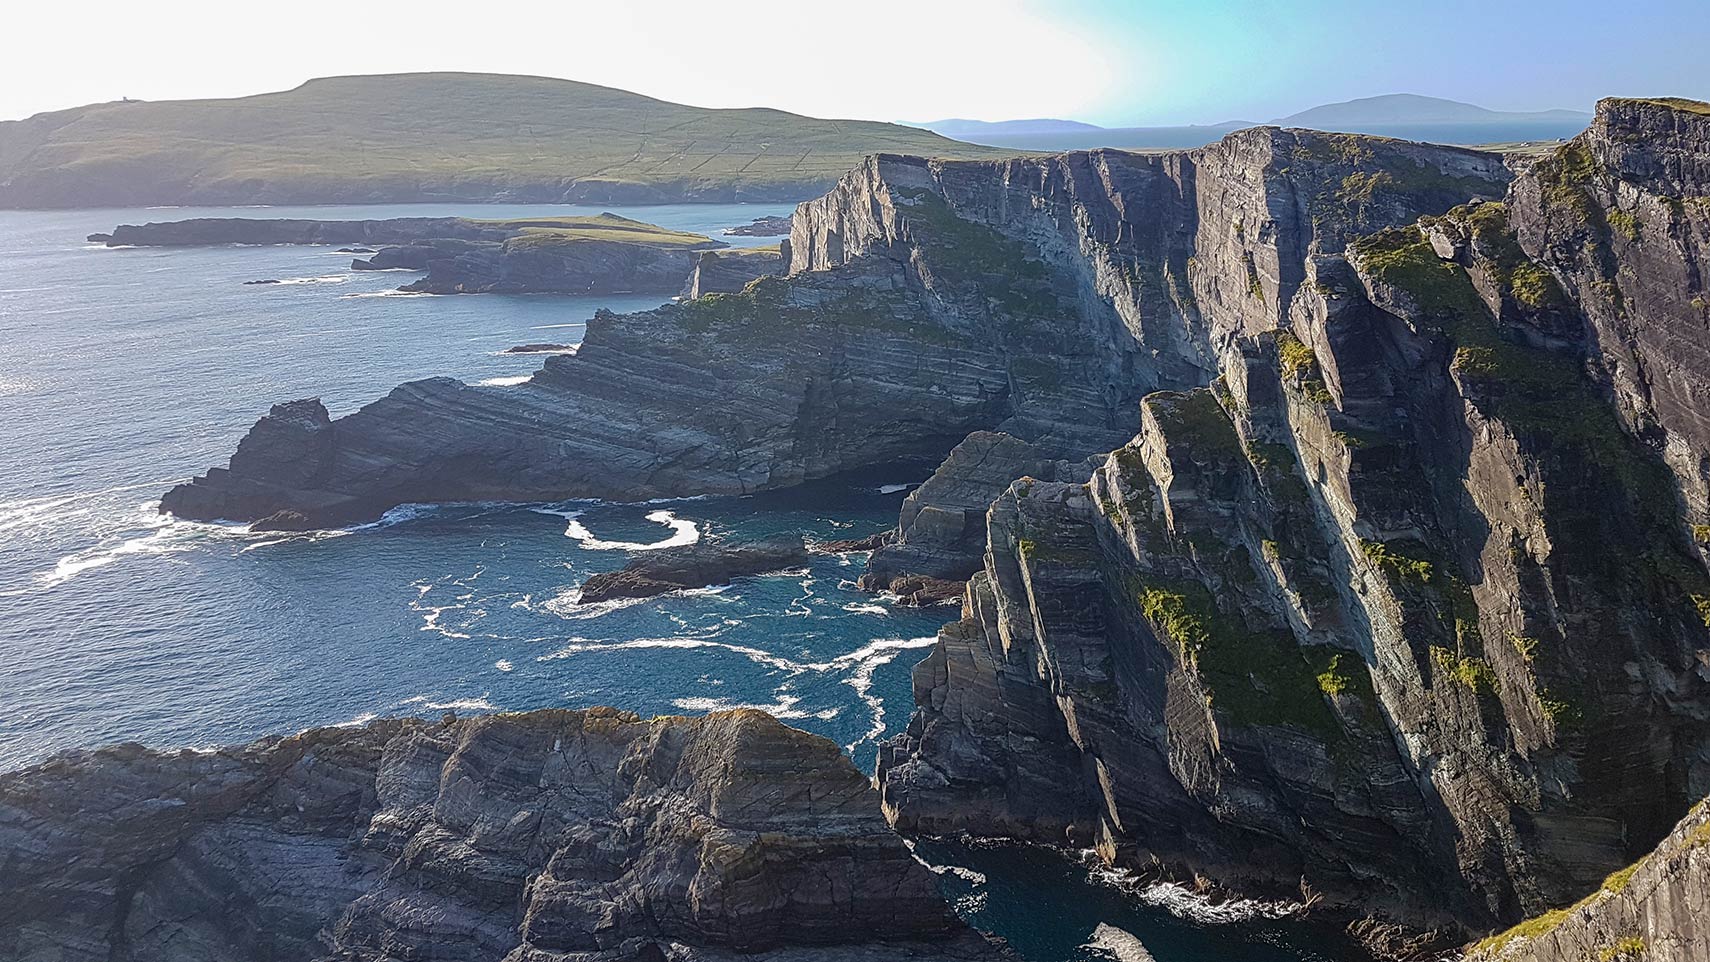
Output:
x=699 y=565
x=606 y=254
x=762 y=227
x=729 y=271
x=1385 y=580
x=548 y=836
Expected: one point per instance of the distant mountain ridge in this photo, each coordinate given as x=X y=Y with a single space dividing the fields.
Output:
x=1404 y=116
x=1419 y=109
x=400 y=138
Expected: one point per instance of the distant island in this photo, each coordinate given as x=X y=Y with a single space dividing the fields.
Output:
x=426 y=137
x=605 y=254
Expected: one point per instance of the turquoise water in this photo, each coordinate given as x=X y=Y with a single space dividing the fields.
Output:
x=123 y=371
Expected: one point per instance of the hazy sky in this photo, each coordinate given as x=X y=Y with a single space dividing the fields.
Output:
x=1114 y=62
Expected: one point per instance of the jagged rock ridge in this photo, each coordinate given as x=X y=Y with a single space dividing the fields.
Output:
x=927 y=299
x=1402 y=604
x=549 y=836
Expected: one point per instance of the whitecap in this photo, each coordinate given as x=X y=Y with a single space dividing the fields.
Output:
x=504 y=665
x=462 y=704
x=783 y=708
x=866 y=609
x=683 y=533
x=388 y=294
x=510 y=381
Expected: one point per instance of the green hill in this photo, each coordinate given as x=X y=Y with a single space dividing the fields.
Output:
x=434 y=136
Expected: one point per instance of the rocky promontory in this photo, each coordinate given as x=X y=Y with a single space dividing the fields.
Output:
x=606 y=254
x=547 y=836
x=762 y=227
x=729 y=271
x=1386 y=580
x=699 y=565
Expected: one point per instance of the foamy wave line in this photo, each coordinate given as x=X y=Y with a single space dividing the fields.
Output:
x=509 y=381
x=323 y=279
x=784 y=707
x=387 y=294
x=683 y=532
x=1184 y=902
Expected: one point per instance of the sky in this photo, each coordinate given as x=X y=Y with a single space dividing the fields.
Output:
x=1111 y=62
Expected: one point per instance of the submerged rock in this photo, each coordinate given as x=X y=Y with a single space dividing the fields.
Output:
x=698 y=565
x=542 y=348
x=549 y=835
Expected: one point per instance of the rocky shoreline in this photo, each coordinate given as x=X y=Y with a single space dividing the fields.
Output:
x=607 y=254
x=544 y=836
x=700 y=565
x=1331 y=507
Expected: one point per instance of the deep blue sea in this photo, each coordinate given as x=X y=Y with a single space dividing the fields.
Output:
x=123 y=371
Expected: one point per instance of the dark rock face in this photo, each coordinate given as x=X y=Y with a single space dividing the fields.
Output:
x=549 y=836
x=693 y=566
x=762 y=227
x=541 y=348
x=1651 y=911
x=928 y=299
x=727 y=272
x=571 y=267
x=1403 y=604
x=941 y=534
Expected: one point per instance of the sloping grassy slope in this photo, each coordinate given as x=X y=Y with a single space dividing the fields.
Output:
x=434 y=136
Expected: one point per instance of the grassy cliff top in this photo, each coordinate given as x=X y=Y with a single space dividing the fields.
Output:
x=604 y=227
x=432 y=136
x=1682 y=104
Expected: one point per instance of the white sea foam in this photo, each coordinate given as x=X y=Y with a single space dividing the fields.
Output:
x=866 y=661
x=1184 y=902
x=510 y=381
x=784 y=707
x=862 y=608
x=683 y=533
x=504 y=665
x=387 y=294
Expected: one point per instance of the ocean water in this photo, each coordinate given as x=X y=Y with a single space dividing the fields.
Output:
x=123 y=371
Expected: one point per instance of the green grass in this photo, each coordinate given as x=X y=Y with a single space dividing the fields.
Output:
x=537 y=232
x=435 y=136
x=1673 y=103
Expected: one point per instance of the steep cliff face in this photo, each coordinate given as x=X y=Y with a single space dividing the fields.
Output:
x=1651 y=911
x=928 y=299
x=1398 y=606
x=549 y=836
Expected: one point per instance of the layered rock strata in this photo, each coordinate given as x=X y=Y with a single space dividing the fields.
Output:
x=550 y=836
x=729 y=271
x=1652 y=911
x=1408 y=606
x=927 y=299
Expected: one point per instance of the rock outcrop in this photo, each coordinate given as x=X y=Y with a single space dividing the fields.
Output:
x=927 y=299
x=762 y=227
x=940 y=536
x=606 y=254
x=1404 y=604
x=729 y=271
x=550 y=836
x=693 y=566
x=1652 y=911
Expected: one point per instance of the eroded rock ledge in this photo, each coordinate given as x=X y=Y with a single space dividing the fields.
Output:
x=549 y=836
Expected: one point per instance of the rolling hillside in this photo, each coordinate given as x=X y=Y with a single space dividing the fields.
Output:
x=434 y=136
